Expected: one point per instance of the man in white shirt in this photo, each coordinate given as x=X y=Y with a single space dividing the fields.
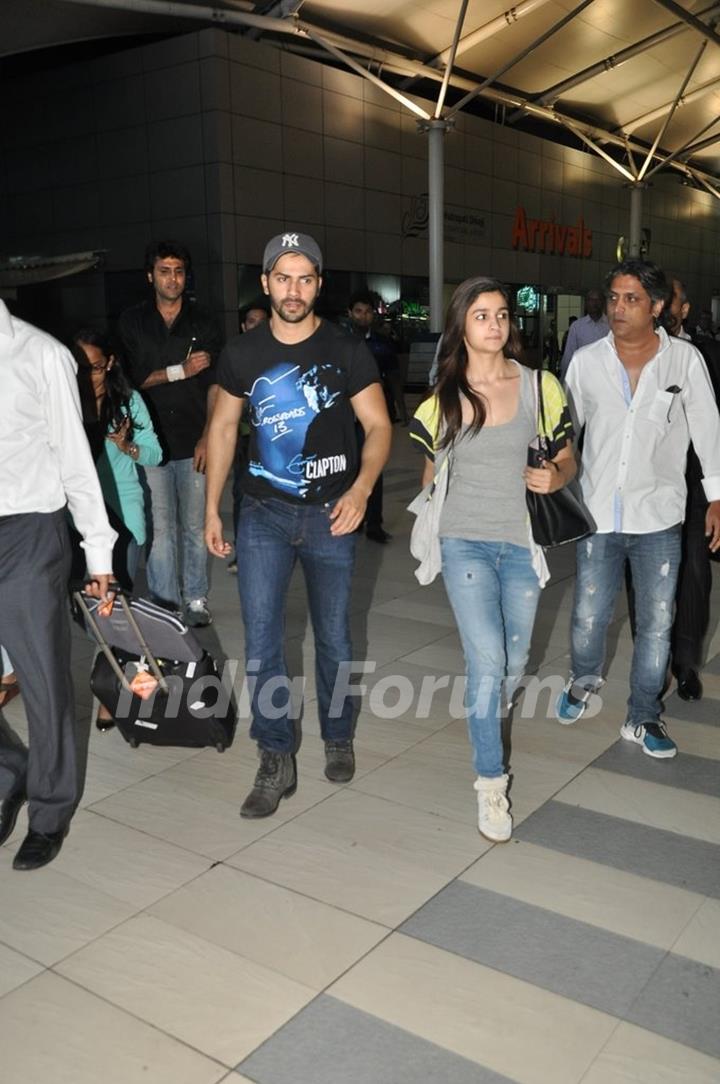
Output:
x=45 y=464
x=588 y=329
x=639 y=394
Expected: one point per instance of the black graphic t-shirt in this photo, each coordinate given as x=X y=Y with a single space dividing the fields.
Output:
x=303 y=442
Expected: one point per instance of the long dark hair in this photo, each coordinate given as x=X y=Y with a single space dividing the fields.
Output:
x=115 y=407
x=452 y=382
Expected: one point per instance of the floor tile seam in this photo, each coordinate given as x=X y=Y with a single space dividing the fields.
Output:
x=306 y=896
x=576 y=922
x=355 y=786
x=98 y=937
x=25 y=955
x=271 y=1037
x=129 y=786
x=112 y=760
x=335 y=906
x=604 y=1047
x=660 y=781
x=703 y=900
x=544 y=989
x=575 y=804
x=148 y=835
x=25 y=982
x=198 y=936
x=641 y=993
x=457 y=820
x=189 y=850
x=140 y=1019
x=281 y=824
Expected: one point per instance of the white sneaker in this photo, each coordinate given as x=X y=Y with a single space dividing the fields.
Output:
x=494 y=820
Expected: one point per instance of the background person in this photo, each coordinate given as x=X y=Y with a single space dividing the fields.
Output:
x=119 y=428
x=170 y=344
x=692 y=599
x=588 y=329
x=122 y=438
x=362 y=318
x=252 y=316
x=483 y=409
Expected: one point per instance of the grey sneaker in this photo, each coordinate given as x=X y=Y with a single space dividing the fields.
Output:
x=339 y=761
x=276 y=778
x=197 y=615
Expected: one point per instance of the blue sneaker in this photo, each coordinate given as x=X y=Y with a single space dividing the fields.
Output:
x=653 y=737
x=568 y=711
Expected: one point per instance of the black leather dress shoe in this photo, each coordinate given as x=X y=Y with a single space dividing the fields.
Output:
x=689 y=685
x=9 y=809
x=39 y=848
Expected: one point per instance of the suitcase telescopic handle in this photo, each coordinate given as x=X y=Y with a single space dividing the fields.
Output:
x=145 y=650
x=101 y=641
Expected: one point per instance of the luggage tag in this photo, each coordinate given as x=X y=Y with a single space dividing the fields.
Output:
x=143 y=684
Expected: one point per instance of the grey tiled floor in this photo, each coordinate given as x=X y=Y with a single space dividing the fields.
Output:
x=367 y=934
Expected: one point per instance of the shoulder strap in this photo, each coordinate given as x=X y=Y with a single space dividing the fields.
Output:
x=540 y=403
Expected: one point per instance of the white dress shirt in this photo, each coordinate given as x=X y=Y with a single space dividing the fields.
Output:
x=45 y=459
x=582 y=332
x=633 y=461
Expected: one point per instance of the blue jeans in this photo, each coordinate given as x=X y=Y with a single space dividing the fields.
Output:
x=177 y=509
x=654 y=561
x=272 y=535
x=494 y=593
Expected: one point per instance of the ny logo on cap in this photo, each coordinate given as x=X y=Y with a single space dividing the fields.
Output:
x=290 y=240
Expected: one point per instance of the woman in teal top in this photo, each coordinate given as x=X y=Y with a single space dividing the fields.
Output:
x=122 y=438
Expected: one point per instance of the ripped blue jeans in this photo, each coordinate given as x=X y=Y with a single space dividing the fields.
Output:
x=654 y=561
x=494 y=593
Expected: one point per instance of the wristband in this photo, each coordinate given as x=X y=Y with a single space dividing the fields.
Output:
x=175 y=372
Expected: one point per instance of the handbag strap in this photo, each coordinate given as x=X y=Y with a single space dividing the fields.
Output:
x=539 y=404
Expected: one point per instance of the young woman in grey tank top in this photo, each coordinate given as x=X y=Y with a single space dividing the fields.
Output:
x=483 y=408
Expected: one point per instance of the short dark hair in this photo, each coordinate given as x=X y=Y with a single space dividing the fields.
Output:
x=363 y=297
x=243 y=312
x=674 y=280
x=163 y=250
x=649 y=275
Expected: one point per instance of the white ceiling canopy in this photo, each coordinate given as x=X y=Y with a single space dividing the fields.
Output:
x=637 y=82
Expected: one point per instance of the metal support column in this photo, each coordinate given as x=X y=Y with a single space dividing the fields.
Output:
x=635 y=233
x=436 y=218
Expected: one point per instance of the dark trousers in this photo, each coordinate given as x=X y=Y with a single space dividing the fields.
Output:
x=35 y=630
x=692 y=601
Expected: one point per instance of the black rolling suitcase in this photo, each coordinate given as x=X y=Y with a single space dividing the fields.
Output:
x=160 y=686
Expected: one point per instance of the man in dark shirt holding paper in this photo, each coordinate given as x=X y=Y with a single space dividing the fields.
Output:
x=305 y=491
x=170 y=346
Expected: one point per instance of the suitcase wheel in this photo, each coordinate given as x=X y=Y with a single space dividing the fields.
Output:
x=133 y=743
x=220 y=746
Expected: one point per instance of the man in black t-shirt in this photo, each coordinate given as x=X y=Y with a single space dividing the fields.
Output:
x=171 y=345
x=305 y=490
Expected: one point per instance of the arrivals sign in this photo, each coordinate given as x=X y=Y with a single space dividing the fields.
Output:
x=549 y=236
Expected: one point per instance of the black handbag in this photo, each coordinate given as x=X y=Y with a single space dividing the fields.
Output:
x=562 y=516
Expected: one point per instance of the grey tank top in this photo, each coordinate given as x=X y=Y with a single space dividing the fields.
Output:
x=486 y=496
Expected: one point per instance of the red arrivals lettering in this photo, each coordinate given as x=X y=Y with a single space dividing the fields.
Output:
x=546 y=235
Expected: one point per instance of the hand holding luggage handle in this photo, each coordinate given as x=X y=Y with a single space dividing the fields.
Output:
x=102 y=642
